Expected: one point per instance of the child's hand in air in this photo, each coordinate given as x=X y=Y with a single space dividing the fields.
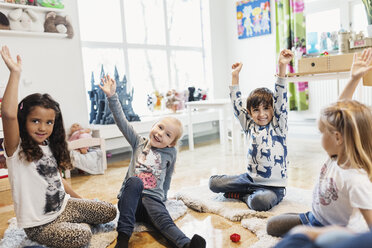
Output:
x=236 y=68
x=10 y=63
x=285 y=57
x=361 y=64
x=108 y=86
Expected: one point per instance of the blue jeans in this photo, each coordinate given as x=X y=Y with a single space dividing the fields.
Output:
x=300 y=240
x=309 y=219
x=136 y=206
x=258 y=197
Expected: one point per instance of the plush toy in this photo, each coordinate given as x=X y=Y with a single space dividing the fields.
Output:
x=191 y=94
x=57 y=4
x=4 y=22
x=58 y=24
x=78 y=132
x=175 y=100
x=25 y=20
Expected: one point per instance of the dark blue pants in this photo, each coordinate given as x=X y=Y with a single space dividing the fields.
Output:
x=258 y=197
x=300 y=240
x=136 y=206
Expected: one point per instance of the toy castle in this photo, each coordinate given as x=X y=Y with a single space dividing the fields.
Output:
x=99 y=110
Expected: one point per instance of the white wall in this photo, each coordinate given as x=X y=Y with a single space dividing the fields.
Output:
x=54 y=66
x=257 y=54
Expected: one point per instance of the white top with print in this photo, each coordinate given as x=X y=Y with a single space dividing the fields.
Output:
x=339 y=193
x=38 y=193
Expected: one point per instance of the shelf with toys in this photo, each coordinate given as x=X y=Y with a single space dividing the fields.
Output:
x=31 y=20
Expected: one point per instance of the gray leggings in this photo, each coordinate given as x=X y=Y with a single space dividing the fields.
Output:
x=71 y=228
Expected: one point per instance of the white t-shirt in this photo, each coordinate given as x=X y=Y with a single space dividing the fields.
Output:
x=38 y=193
x=340 y=193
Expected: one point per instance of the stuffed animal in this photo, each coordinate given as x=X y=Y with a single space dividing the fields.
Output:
x=58 y=24
x=25 y=20
x=57 y=4
x=78 y=132
x=4 y=22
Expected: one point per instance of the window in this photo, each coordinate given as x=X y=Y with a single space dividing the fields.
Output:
x=333 y=15
x=158 y=44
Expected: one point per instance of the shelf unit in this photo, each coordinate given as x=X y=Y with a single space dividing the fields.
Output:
x=10 y=6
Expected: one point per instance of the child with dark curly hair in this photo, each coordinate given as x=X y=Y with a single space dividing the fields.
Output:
x=50 y=212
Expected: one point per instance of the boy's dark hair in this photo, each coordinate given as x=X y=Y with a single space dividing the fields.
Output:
x=260 y=96
x=57 y=140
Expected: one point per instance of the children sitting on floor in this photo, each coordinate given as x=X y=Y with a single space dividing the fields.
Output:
x=344 y=185
x=264 y=120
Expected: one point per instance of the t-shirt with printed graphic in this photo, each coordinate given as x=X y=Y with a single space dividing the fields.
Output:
x=37 y=189
x=267 y=152
x=339 y=193
x=154 y=166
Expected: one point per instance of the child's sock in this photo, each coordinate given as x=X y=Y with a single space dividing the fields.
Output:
x=196 y=242
x=122 y=240
x=233 y=195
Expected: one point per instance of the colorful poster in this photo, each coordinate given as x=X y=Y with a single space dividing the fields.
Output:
x=253 y=18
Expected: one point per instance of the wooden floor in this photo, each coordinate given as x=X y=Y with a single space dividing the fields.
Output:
x=193 y=168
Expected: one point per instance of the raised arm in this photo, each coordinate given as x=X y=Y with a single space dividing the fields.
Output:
x=235 y=95
x=109 y=88
x=280 y=92
x=360 y=66
x=10 y=102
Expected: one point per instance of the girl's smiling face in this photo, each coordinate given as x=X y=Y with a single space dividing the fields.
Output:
x=163 y=133
x=40 y=123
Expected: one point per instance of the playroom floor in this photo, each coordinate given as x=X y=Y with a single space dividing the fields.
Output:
x=193 y=168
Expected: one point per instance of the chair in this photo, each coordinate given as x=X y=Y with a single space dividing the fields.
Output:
x=98 y=144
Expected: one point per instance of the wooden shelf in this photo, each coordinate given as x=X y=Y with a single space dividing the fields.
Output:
x=32 y=34
x=22 y=6
x=292 y=77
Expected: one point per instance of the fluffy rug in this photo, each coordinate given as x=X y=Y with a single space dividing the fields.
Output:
x=103 y=235
x=202 y=199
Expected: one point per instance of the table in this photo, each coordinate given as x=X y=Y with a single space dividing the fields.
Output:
x=223 y=105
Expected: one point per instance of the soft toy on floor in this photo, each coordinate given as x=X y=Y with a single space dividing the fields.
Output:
x=78 y=132
x=58 y=24
x=25 y=20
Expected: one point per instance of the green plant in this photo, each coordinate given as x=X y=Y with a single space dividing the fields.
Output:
x=368 y=7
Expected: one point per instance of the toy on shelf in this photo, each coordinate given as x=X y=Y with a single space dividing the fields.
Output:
x=151 y=101
x=58 y=24
x=350 y=42
x=78 y=132
x=175 y=100
x=312 y=39
x=25 y=20
x=100 y=112
x=57 y=4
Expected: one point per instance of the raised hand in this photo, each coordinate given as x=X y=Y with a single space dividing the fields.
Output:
x=236 y=68
x=285 y=57
x=108 y=86
x=361 y=64
x=10 y=63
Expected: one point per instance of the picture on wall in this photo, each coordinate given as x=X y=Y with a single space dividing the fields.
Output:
x=253 y=18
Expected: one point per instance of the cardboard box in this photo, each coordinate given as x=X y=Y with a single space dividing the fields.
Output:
x=326 y=64
x=313 y=65
x=367 y=79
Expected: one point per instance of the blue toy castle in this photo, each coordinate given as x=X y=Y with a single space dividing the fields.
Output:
x=99 y=110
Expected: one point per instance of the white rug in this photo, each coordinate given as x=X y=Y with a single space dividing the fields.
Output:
x=103 y=235
x=202 y=199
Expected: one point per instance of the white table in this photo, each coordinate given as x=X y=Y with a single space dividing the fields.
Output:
x=223 y=105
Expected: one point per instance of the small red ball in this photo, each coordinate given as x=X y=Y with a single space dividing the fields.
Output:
x=235 y=237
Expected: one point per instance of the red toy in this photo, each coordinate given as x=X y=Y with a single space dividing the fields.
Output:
x=235 y=237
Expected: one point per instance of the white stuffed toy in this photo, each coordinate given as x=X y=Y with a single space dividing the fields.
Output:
x=25 y=20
